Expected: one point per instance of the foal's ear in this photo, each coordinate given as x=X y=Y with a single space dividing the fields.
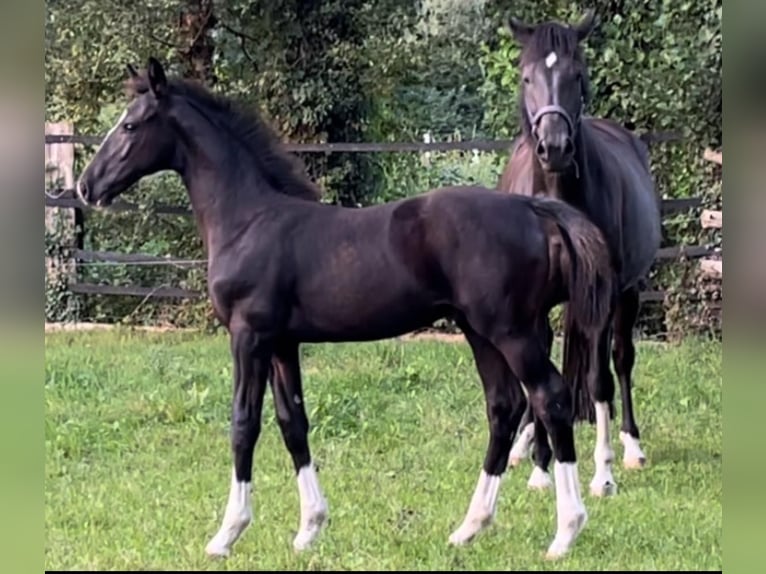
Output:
x=585 y=27
x=158 y=82
x=520 y=30
x=131 y=71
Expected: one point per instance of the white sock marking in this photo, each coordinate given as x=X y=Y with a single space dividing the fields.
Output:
x=539 y=479
x=313 y=507
x=520 y=449
x=236 y=519
x=481 y=511
x=551 y=59
x=603 y=483
x=570 y=510
x=634 y=457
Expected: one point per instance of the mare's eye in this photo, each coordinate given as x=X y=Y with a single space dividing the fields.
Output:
x=526 y=79
x=128 y=127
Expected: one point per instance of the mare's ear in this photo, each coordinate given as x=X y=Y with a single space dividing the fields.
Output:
x=520 y=30
x=131 y=71
x=586 y=25
x=158 y=82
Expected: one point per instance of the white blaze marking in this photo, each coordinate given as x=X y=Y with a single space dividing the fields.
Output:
x=238 y=515
x=520 y=449
x=570 y=510
x=481 y=510
x=551 y=59
x=313 y=507
x=603 y=483
x=113 y=129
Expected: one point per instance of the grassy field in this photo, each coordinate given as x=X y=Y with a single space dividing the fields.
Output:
x=138 y=464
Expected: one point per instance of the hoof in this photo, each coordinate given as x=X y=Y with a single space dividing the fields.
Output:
x=565 y=537
x=468 y=531
x=539 y=480
x=307 y=535
x=514 y=461
x=214 y=550
x=602 y=489
x=634 y=457
x=634 y=463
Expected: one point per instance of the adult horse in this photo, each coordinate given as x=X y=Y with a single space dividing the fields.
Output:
x=284 y=268
x=603 y=169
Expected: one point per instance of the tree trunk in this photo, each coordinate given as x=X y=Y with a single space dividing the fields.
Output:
x=196 y=21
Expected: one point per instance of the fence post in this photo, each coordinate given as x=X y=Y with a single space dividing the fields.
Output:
x=60 y=222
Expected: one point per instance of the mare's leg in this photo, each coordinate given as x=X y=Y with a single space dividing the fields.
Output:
x=540 y=479
x=251 y=368
x=526 y=434
x=601 y=386
x=530 y=431
x=291 y=415
x=551 y=400
x=624 y=357
x=505 y=405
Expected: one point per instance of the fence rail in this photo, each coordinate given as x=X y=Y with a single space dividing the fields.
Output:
x=67 y=199
x=382 y=147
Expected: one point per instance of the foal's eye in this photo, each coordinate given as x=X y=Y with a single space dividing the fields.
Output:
x=526 y=79
x=128 y=127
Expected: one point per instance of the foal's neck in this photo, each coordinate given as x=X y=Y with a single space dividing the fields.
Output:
x=227 y=194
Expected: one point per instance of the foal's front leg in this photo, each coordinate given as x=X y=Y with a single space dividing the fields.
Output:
x=251 y=366
x=291 y=415
x=505 y=404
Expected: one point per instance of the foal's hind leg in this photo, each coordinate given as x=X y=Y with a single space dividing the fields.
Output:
x=552 y=403
x=251 y=367
x=540 y=479
x=624 y=356
x=505 y=405
x=291 y=415
x=532 y=430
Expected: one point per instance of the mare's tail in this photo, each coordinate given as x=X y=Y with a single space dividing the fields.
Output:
x=591 y=285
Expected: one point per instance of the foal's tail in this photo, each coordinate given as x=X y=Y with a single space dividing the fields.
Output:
x=591 y=285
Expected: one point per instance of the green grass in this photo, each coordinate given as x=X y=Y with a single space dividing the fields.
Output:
x=138 y=464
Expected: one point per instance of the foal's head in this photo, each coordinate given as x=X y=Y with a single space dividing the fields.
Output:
x=141 y=143
x=555 y=86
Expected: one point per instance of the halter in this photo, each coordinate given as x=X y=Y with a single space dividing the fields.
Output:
x=556 y=109
x=551 y=109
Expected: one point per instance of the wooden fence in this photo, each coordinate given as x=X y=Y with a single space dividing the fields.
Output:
x=712 y=219
x=63 y=198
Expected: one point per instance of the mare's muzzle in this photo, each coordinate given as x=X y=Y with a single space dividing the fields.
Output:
x=555 y=149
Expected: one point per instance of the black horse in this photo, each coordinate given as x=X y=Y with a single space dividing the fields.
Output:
x=603 y=169
x=284 y=268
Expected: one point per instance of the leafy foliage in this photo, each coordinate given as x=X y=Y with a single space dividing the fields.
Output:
x=379 y=70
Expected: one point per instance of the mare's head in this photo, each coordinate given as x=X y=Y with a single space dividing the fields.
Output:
x=555 y=86
x=141 y=143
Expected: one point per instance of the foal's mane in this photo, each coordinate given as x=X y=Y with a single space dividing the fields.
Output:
x=285 y=172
